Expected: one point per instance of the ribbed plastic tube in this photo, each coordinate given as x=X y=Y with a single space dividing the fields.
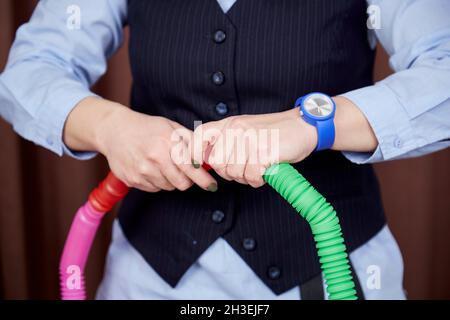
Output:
x=76 y=251
x=82 y=234
x=324 y=223
x=290 y=184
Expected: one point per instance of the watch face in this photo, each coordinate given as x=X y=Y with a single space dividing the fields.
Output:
x=318 y=105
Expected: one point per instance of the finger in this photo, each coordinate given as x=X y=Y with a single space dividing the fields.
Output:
x=147 y=187
x=180 y=136
x=166 y=175
x=204 y=137
x=255 y=168
x=157 y=178
x=176 y=177
x=139 y=182
x=254 y=174
x=198 y=176
x=220 y=152
x=235 y=167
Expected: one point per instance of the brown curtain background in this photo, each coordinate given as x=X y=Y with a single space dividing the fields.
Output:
x=40 y=193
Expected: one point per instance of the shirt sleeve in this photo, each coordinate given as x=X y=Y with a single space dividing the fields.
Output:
x=55 y=58
x=410 y=110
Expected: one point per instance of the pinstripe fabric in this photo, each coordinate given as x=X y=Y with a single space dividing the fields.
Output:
x=275 y=51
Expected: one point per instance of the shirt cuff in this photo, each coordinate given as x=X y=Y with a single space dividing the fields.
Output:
x=389 y=121
x=50 y=123
x=80 y=155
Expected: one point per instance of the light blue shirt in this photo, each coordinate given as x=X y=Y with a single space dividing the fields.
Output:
x=52 y=66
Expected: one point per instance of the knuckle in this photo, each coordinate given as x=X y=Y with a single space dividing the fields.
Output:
x=217 y=165
x=158 y=160
x=254 y=179
x=223 y=174
x=143 y=168
x=256 y=184
x=235 y=172
x=184 y=185
x=168 y=187
x=134 y=180
x=153 y=189
x=199 y=128
x=237 y=122
x=154 y=153
x=128 y=183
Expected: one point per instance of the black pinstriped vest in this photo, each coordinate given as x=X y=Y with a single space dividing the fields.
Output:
x=269 y=52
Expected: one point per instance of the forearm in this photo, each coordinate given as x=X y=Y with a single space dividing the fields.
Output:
x=353 y=131
x=82 y=127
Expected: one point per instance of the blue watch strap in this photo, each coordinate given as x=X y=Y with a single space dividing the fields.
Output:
x=298 y=102
x=324 y=126
x=325 y=134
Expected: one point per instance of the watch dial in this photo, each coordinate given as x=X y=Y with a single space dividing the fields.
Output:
x=318 y=105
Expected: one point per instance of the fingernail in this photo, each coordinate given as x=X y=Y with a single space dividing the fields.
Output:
x=212 y=187
x=195 y=164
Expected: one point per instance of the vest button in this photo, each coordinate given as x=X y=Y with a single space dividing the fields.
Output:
x=221 y=109
x=249 y=244
x=218 y=78
x=273 y=273
x=218 y=216
x=219 y=36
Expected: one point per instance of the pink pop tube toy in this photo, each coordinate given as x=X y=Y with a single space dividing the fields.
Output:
x=82 y=233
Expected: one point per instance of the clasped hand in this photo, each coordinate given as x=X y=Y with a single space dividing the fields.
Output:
x=153 y=153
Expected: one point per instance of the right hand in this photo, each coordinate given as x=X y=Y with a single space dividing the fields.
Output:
x=142 y=151
x=150 y=153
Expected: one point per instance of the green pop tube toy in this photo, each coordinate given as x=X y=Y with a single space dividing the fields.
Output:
x=324 y=223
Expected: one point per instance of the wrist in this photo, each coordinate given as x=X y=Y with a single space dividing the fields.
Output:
x=109 y=122
x=305 y=130
x=353 y=130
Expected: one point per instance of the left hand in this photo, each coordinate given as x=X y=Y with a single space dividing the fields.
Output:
x=241 y=148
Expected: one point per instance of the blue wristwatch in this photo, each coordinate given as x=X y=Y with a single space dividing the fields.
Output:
x=318 y=110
